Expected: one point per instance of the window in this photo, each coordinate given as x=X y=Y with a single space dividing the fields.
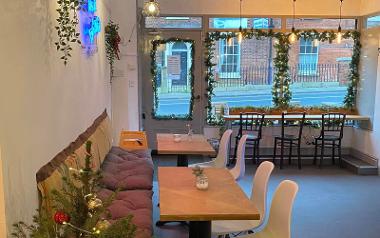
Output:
x=229 y=59
x=321 y=23
x=373 y=21
x=234 y=23
x=308 y=58
x=173 y=22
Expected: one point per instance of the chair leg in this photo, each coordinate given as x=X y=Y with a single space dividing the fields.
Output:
x=299 y=155
x=282 y=154
x=290 y=153
x=258 y=152
x=274 y=151
x=322 y=154
x=340 y=153
x=333 y=153
x=236 y=147
x=315 y=152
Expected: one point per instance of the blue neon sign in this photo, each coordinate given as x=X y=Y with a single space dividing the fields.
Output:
x=90 y=26
x=91 y=6
x=94 y=29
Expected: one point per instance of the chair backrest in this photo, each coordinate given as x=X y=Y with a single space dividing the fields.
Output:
x=333 y=123
x=223 y=153
x=279 y=223
x=251 y=122
x=238 y=170
x=292 y=120
x=133 y=140
x=260 y=187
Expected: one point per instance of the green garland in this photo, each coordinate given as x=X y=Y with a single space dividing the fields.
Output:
x=281 y=87
x=153 y=70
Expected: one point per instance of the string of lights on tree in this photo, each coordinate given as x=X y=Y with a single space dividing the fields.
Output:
x=154 y=73
x=281 y=92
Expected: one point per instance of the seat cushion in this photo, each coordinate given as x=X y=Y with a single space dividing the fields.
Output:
x=329 y=137
x=137 y=203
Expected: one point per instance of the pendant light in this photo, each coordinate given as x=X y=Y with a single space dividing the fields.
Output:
x=240 y=34
x=293 y=36
x=151 y=9
x=339 y=35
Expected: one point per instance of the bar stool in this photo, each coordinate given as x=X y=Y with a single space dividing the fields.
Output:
x=289 y=121
x=251 y=124
x=331 y=136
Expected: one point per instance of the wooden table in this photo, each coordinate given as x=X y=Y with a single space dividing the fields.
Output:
x=297 y=117
x=198 y=145
x=180 y=200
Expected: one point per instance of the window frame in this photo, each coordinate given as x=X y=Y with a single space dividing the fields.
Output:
x=223 y=44
x=302 y=43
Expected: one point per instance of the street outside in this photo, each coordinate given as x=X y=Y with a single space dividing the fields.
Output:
x=178 y=103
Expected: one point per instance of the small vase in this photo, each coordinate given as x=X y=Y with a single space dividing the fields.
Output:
x=202 y=182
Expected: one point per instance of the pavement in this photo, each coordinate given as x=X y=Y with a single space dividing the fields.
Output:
x=178 y=103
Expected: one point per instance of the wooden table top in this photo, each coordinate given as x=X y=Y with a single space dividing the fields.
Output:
x=197 y=146
x=180 y=200
x=297 y=117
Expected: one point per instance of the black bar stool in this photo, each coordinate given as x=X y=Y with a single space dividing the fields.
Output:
x=331 y=136
x=251 y=124
x=290 y=121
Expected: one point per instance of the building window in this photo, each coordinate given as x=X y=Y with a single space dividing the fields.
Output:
x=373 y=21
x=229 y=59
x=246 y=23
x=308 y=58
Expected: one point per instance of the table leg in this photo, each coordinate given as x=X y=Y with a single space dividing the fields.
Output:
x=182 y=161
x=200 y=229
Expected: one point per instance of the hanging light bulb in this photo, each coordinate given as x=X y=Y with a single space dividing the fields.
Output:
x=315 y=43
x=293 y=36
x=240 y=34
x=230 y=41
x=339 y=35
x=151 y=9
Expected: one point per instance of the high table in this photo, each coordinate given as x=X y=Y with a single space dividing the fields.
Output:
x=297 y=117
x=180 y=200
x=197 y=145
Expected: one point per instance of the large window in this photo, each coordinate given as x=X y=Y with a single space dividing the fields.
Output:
x=229 y=59
x=373 y=21
x=308 y=58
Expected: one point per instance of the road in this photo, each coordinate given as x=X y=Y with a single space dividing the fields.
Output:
x=180 y=105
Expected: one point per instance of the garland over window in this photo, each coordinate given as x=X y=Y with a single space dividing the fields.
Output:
x=153 y=55
x=281 y=87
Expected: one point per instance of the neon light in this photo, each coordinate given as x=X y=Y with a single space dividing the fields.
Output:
x=95 y=26
x=91 y=6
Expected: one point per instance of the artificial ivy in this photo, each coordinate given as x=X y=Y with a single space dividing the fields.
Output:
x=281 y=87
x=153 y=54
x=113 y=40
x=67 y=26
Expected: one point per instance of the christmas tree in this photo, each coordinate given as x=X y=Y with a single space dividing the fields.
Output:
x=77 y=211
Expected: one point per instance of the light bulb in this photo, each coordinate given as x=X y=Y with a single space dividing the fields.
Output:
x=240 y=37
x=315 y=43
x=152 y=8
x=293 y=37
x=230 y=40
x=339 y=37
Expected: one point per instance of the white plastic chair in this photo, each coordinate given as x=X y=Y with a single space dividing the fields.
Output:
x=239 y=170
x=258 y=197
x=280 y=214
x=221 y=159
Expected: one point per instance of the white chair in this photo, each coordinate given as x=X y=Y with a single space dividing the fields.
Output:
x=258 y=197
x=238 y=170
x=221 y=159
x=280 y=214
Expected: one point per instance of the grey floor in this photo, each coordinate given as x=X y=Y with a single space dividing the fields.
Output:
x=331 y=202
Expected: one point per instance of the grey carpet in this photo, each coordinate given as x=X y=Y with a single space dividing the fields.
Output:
x=331 y=202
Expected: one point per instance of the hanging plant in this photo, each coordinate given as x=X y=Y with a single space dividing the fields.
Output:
x=112 y=44
x=67 y=26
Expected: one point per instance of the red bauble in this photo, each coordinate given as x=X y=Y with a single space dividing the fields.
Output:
x=60 y=217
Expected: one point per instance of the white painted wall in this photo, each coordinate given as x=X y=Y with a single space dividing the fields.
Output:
x=125 y=93
x=43 y=104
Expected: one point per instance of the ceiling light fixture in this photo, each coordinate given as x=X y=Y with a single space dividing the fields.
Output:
x=240 y=34
x=151 y=9
x=339 y=35
x=293 y=36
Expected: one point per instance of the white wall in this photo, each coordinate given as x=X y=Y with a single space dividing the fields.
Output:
x=43 y=104
x=125 y=93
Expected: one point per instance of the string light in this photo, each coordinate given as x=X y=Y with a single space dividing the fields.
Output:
x=240 y=34
x=315 y=43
